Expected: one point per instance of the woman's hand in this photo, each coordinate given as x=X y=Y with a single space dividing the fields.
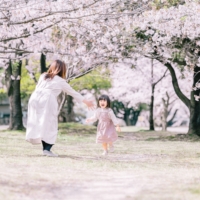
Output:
x=89 y=104
x=118 y=128
x=87 y=120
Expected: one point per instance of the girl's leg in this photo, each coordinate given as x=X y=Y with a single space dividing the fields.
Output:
x=105 y=148
x=111 y=147
x=110 y=144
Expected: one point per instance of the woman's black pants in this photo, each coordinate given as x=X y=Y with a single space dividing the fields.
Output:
x=46 y=146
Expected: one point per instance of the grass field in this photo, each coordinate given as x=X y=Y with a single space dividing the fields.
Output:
x=145 y=165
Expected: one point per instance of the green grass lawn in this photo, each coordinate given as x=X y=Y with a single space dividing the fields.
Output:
x=145 y=165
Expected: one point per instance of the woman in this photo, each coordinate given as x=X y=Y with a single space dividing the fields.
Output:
x=42 y=123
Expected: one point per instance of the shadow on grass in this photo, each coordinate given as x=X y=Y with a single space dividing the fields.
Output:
x=177 y=137
x=79 y=157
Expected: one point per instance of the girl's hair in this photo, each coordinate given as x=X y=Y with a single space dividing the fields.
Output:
x=105 y=98
x=57 y=67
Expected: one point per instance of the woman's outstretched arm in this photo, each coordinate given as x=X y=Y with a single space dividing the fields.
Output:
x=76 y=95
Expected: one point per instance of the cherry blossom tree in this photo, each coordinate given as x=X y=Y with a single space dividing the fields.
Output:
x=32 y=26
x=181 y=47
x=84 y=34
x=132 y=85
x=169 y=108
x=153 y=76
x=170 y=36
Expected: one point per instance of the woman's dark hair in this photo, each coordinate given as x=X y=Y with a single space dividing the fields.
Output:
x=105 y=98
x=56 y=68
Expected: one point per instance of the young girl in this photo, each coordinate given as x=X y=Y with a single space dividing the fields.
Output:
x=106 y=133
x=42 y=124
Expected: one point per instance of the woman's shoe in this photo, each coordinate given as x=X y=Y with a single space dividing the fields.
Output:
x=49 y=153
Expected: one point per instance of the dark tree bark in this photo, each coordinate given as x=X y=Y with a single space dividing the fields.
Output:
x=153 y=85
x=175 y=84
x=61 y=102
x=12 y=78
x=129 y=115
x=192 y=104
x=151 y=119
x=171 y=121
x=165 y=112
x=66 y=114
x=194 y=125
x=133 y=116
x=31 y=73
x=43 y=63
x=70 y=116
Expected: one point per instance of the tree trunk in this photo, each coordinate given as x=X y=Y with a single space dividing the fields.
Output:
x=126 y=117
x=70 y=117
x=170 y=122
x=31 y=73
x=192 y=104
x=151 y=120
x=194 y=125
x=43 y=63
x=61 y=102
x=13 y=76
x=177 y=90
x=134 y=118
x=164 y=114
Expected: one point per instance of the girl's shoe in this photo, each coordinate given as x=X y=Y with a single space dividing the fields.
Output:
x=49 y=153
x=105 y=152
x=111 y=149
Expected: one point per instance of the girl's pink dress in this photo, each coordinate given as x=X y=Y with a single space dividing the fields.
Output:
x=106 y=132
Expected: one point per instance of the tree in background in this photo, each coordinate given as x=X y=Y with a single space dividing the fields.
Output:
x=12 y=80
x=133 y=87
x=175 y=48
x=128 y=114
x=153 y=75
x=3 y=95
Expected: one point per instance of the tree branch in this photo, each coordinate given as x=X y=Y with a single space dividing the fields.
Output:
x=175 y=84
x=27 y=35
x=160 y=78
x=172 y=118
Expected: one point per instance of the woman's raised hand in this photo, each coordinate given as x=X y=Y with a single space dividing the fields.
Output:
x=89 y=104
x=118 y=128
x=87 y=120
